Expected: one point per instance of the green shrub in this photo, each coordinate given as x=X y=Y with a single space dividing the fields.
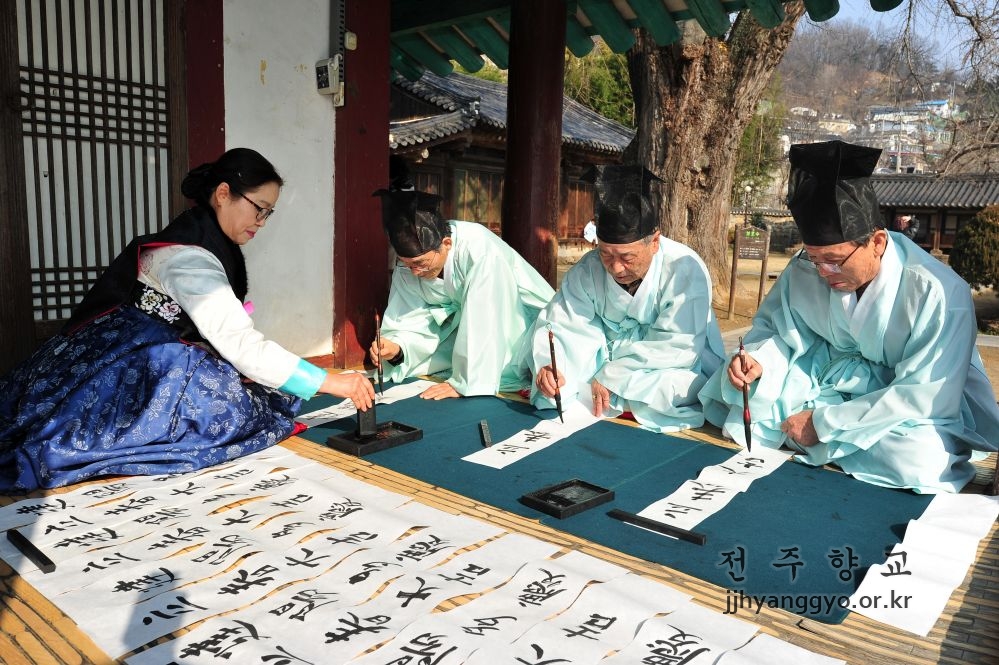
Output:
x=975 y=255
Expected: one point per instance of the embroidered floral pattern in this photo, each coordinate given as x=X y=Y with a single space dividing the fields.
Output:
x=149 y=299
x=125 y=396
x=169 y=311
x=153 y=302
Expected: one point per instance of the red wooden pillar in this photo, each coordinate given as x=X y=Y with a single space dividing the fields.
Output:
x=534 y=132
x=360 y=249
x=205 y=84
x=17 y=323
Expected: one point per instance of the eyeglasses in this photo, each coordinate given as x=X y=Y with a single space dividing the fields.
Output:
x=262 y=212
x=420 y=267
x=829 y=267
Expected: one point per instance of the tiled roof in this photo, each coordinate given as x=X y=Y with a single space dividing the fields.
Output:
x=482 y=103
x=407 y=133
x=932 y=191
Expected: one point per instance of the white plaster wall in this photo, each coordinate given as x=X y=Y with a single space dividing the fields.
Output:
x=271 y=105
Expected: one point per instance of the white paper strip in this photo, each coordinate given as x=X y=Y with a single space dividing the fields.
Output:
x=346 y=408
x=605 y=617
x=696 y=500
x=911 y=589
x=542 y=435
x=691 y=635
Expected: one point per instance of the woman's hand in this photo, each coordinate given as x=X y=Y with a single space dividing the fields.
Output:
x=357 y=387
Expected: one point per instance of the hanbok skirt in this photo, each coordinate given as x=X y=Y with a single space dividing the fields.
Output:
x=124 y=396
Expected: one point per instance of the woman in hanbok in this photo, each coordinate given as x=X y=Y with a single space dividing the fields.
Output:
x=159 y=369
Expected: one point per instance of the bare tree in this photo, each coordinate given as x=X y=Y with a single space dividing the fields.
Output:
x=693 y=99
x=975 y=142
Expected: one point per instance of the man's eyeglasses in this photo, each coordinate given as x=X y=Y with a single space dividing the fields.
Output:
x=419 y=267
x=829 y=267
x=262 y=212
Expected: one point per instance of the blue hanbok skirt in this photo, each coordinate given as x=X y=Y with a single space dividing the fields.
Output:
x=124 y=396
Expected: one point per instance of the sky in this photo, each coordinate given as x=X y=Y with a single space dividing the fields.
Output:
x=933 y=22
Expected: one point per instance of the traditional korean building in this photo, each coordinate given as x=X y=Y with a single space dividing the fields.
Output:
x=452 y=131
x=942 y=204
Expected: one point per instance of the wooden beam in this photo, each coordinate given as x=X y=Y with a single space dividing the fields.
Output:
x=768 y=13
x=456 y=47
x=411 y=16
x=608 y=23
x=403 y=64
x=653 y=17
x=491 y=42
x=419 y=49
x=577 y=39
x=531 y=199
x=711 y=16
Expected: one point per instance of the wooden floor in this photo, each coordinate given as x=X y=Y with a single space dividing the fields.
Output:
x=32 y=630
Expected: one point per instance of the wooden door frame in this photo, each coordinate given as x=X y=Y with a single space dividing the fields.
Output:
x=17 y=329
x=19 y=333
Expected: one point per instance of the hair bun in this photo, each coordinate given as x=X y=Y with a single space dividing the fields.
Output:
x=193 y=184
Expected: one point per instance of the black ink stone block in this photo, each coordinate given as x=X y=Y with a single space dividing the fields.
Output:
x=567 y=498
x=372 y=436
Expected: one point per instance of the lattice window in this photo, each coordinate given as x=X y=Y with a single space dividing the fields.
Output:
x=94 y=116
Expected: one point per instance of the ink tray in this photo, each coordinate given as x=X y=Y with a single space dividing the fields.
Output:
x=567 y=498
x=387 y=435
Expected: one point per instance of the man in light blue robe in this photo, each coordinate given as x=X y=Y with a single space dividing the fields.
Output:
x=461 y=299
x=863 y=354
x=632 y=322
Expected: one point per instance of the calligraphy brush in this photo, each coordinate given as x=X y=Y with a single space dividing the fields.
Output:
x=747 y=420
x=558 y=395
x=378 y=345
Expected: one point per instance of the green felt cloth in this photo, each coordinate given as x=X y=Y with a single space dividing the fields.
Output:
x=797 y=515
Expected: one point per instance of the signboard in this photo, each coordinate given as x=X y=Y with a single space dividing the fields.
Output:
x=753 y=242
x=750 y=243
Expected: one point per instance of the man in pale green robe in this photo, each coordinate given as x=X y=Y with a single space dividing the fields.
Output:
x=863 y=353
x=461 y=300
x=632 y=322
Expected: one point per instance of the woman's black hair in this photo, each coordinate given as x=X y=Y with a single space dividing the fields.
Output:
x=244 y=169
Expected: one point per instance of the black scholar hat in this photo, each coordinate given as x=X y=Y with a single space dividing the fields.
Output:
x=624 y=209
x=413 y=221
x=829 y=192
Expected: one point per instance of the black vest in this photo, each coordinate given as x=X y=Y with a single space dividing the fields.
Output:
x=118 y=284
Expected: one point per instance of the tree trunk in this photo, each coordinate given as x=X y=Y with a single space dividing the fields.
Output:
x=693 y=100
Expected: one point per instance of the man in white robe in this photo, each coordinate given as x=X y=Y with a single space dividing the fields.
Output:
x=461 y=299
x=863 y=354
x=632 y=322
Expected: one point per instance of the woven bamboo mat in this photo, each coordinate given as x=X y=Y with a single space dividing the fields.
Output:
x=34 y=631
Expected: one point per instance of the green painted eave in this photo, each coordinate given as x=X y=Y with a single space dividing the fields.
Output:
x=432 y=34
